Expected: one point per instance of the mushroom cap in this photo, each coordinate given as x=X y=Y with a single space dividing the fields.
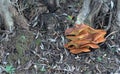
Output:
x=82 y=37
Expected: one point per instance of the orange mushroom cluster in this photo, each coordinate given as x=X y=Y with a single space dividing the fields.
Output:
x=82 y=37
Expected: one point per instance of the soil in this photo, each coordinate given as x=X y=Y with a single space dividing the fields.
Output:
x=41 y=49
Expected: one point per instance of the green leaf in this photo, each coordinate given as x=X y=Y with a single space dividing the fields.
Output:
x=22 y=38
x=69 y=17
x=37 y=41
x=99 y=59
x=10 y=69
x=43 y=69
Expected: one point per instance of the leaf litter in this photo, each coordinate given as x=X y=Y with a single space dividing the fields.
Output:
x=47 y=53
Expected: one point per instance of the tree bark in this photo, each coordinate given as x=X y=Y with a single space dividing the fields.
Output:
x=5 y=13
x=118 y=13
x=83 y=12
x=89 y=10
x=10 y=15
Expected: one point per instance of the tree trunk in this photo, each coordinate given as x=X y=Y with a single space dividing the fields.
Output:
x=118 y=13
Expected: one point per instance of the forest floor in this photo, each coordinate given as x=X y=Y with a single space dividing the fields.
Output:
x=41 y=49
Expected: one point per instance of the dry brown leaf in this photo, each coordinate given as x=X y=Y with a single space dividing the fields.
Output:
x=83 y=37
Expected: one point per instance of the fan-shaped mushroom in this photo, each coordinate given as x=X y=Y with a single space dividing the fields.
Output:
x=82 y=37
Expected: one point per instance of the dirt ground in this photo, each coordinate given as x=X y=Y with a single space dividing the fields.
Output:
x=41 y=49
